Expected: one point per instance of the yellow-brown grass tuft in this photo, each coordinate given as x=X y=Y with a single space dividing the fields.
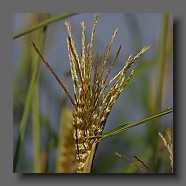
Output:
x=93 y=99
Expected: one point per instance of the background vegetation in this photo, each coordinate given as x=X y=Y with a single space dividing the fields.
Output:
x=40 y=104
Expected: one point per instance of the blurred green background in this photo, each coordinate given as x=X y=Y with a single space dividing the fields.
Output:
x=39 y=102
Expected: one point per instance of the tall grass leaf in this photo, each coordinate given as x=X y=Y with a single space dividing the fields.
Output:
x=128 y=126
x=158 y=99
x=42 y=24
x=36 y=120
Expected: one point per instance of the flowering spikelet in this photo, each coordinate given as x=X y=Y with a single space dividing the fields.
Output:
x=92 y=102
x=66 y=160
x=169 y=145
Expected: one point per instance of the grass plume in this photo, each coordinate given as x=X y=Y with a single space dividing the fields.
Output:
x=92 y=103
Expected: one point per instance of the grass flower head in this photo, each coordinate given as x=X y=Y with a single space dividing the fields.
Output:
x=94 y=94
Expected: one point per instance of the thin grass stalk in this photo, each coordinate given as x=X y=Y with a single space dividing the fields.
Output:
x=54 y=74
x=36 y=129
x=28 y=103
x=44 y=159
x=144 y=164
x=35 y=116
x=36 y=122
x=131 y=162
x=145 y=155
x=162 y=58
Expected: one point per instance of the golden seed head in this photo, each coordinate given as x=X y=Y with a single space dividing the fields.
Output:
x=92 y=104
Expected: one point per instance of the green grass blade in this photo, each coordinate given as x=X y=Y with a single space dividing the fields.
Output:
x=36 y=121
x=36 y=128
x=128 y=126
x=159 y=100
x=42 y=24
x=28 y=104
x=162 y=58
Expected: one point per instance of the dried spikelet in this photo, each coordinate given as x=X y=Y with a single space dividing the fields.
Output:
x=92 y=105
x=131 y=162
x=66 y=161
x=169 y=145
x=142 y=170
x=144 y=164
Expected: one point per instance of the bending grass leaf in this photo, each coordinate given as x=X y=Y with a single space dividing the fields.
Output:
x=128 y=125
x=42 y=24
